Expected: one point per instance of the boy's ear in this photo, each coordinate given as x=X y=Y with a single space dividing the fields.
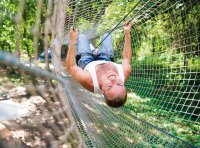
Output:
x=102 y=91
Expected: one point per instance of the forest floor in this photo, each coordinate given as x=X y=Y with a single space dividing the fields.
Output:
x=23 y=131
x=11 y=88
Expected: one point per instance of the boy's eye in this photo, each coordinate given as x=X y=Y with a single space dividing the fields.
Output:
x=120 y=84
x=109 y=87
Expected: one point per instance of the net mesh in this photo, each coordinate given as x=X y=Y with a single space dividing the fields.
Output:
x=163 y=100
x=49 y=122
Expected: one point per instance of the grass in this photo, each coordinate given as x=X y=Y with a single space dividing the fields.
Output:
x=166 y=120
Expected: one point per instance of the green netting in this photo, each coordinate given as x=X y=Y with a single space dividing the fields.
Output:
x=107 y=127
x=164 y=84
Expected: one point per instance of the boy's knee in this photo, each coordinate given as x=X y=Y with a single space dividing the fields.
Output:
x=106 y=35
x=82 y=36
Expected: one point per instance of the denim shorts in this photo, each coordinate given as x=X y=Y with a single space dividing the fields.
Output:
x=86 y=59
x=85 y=50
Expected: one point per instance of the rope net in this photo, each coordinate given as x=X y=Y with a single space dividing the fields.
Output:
x=47 y=121
x=162 y=109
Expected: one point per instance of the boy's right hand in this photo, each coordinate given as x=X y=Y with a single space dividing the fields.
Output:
x=73 y=34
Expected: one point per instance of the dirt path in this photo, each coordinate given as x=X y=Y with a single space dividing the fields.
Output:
x=41 y=126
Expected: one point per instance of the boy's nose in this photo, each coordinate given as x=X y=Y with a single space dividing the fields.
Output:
x=112 y=78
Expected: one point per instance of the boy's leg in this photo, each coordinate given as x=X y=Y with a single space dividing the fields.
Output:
x=84 y=55
x=83 y=45
x=106 y=46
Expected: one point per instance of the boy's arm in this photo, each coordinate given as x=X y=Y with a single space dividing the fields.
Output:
x=77 y=73
x=127 y=51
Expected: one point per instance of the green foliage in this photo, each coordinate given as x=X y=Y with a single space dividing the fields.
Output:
x=84 y=25
x=8 y=25
x=113 y=15
x=7 y=28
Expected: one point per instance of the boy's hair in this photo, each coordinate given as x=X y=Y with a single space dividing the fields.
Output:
x=117 y=101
